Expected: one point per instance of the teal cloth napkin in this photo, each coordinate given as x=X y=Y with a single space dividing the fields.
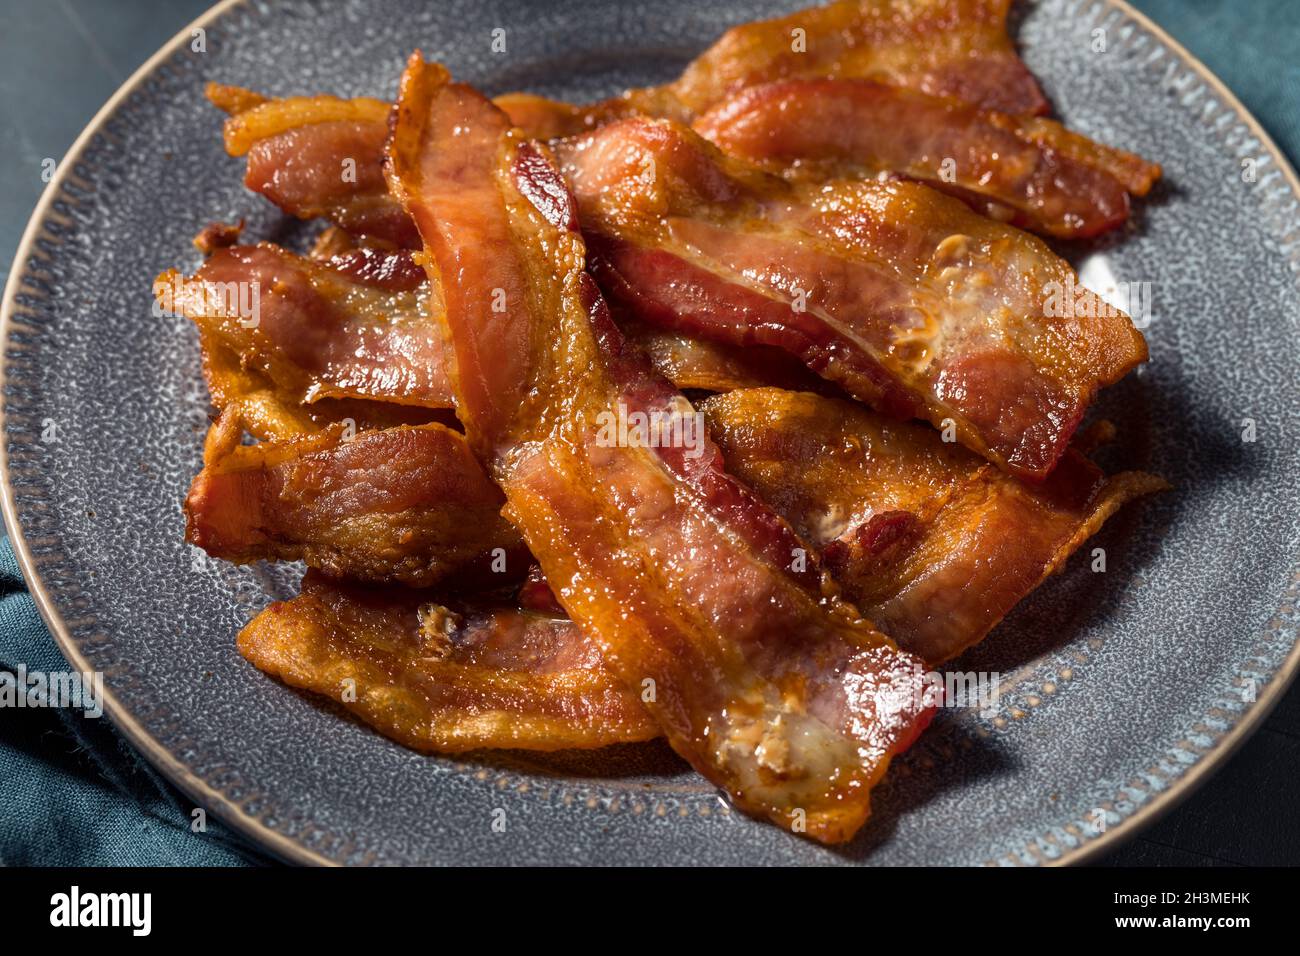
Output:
x=76 y=794
x=1253 y=46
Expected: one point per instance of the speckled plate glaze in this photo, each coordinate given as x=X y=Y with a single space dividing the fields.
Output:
x=1121 y=690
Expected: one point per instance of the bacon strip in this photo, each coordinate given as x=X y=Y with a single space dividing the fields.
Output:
x=345 y=337
x=1030 y=171
x=403 y=504
x=445 y=679
x=666 y=561
x=268 y=413
x=957 y=49
x=902 y=296
x=933 y=543
x=317 y=156
x=953 y=48
x=929 y=541
x=692 y=363
x=357 y=326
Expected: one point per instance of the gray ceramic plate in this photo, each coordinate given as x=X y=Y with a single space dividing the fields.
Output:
x=1125 y=688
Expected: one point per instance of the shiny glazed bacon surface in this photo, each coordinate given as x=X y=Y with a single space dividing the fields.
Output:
x=445 y=679
x=795 y=711
x=444 y=405
x=360 y=325
x=931 y=542
x=1029 y=171
x=406 y=504
x=902 y=296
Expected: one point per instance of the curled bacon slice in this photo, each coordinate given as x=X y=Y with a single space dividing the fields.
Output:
x=270 y=413
x=933 y=545
x=445 y=679
x=408 y=504
x=770 y=688
x=1030 y=171
x=352 y=335
x=357 y=326
x=317 y=156
x=958 y=49
x=693 y=363
x=899 y=294
x=953 y=48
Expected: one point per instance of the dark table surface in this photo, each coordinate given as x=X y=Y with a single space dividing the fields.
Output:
x=61 y=59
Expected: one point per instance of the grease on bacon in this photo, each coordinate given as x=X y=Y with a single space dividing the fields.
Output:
x=932 y=543
x=445 y=676
x=407 y=504
x=1029 y=171
x=903 y=296
x=662 y=558
x=355 y=326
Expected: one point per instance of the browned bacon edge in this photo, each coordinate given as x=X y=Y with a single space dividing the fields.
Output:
x=445 y=677
x=900 y=295
x=407 y=504
x=353 y=326
x=1030 y=171
x=932 y=544
x=795 y=711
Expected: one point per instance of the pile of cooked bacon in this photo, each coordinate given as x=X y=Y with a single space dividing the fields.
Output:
x=816 y=233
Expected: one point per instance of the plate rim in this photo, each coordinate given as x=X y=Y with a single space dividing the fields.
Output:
x=290 y=850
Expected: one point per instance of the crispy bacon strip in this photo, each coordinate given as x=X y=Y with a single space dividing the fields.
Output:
x=693 y=363
x=317 y=156
x=297 y=147
x=357 y=326
x=902 y=296
x=445 y=679
x=934 y=545
x=343 y=337
x=770 y=688
x=268 y=413
x=408 y=504
x=1032 y=172
x=958 y=49
x=953 y=48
